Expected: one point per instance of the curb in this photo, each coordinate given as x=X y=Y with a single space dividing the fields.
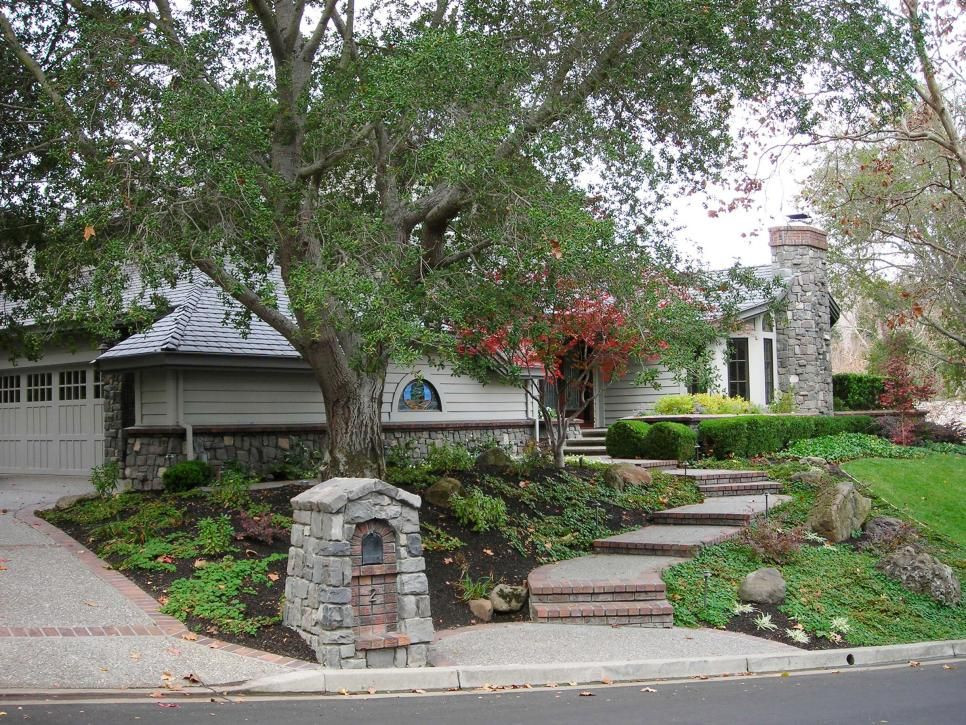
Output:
x=474 y=677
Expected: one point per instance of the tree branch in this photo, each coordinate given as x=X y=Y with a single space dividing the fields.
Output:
x=270 y=26
x=315 y=40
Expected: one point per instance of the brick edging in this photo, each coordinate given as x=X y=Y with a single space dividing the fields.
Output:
x=163 y=623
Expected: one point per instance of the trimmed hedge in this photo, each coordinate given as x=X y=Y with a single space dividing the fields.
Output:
x=187 y=475
x=857 y=391
x=670 y=441
x=753 y=435
x=625 y=439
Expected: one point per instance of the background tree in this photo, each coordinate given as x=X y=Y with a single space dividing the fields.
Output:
x=375 y=152
x=894 y=199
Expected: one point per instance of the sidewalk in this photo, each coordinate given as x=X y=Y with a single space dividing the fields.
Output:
x=67 y=622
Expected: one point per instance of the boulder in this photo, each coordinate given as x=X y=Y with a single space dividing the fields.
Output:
x=838 y=511
x=812 y=475
x=626 y=474
x=762 y=586
x=482 y=609
x=923 y=573
x=886 y=533
x=442 y=491
x=814 y=460
x=507 y=598
x=494 y=459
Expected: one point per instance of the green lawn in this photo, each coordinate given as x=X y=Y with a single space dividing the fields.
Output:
x=931 y=490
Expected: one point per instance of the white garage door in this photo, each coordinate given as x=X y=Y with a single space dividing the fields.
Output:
x=51 y=421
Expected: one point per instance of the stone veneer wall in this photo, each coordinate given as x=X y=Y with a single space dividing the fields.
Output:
x=150 y=450
x=803 y=330
x=113 y=417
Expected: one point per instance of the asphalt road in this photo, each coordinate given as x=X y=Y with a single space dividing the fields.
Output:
x=930 y=694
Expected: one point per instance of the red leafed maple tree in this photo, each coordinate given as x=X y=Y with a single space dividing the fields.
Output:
x=902 y=393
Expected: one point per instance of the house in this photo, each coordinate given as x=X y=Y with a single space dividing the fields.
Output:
x=191 y=387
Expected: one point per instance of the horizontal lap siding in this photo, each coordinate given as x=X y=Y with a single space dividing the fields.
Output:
x=622 y=398
x=264 y=397
x=154 y=397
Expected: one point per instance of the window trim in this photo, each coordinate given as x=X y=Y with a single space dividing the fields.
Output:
x=768 y=352
x=738 y=387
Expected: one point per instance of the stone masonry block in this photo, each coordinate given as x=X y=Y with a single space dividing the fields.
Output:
x=413 y=584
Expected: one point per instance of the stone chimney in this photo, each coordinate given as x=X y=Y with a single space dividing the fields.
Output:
x=803 y=328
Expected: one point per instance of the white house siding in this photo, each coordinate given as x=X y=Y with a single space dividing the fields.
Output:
x=623 y=398
x=220 y=397
x=60 y=435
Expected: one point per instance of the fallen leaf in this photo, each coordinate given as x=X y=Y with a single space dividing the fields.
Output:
x=371 y=690
x=156 y=693
x=572 y=684
x=201 y=563
x=447 y=559
x=488 y=552
x=166 y=676
x=173 y=651
x=168 y=704
x=91 y=603
x=135 y=655
x=587 y=693
x=606 y=680
x=251 y=552
x=551 y=684
x=555 y=249
x=949 y=667
x=191 y=677
x=914 y=663
x=190 y=636
x=648 y=689
x=89 y=232
x=419 y=692
x=165 y=559
x=273 y=576
x=343 y=691
x=104 y=669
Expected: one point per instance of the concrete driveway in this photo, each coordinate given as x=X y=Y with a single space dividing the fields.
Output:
x=67 y=621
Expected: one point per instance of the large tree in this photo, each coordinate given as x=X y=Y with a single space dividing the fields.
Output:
x=893 y=197
x=376 y=153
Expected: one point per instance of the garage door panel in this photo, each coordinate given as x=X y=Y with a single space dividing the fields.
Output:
x=74 y=419
x=39 y=454
x=38 y=419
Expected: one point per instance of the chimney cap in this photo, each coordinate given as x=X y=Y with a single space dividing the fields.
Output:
x=799 y=218
x=797 y=235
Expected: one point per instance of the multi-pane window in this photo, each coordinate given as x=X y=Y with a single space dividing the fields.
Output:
x=738 y=367
x=40 y=387
x=769 y=370
x=98 y=384
x=10 y=389
x=73 y=385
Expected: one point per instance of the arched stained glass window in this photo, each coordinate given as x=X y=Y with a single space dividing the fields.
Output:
x=419 y=395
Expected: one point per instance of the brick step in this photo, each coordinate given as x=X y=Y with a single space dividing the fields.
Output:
x=684 y=518
x=665 y=540
x=717 y=475
x=711 y=490
x=594 y=432
x=585 y=450
x=719 y=511
x=639 y=462
x=643 y=614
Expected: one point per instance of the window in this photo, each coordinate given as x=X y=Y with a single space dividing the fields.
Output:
x=73 y=385
x=738 y=367
x=98 y=384
x=769 y=370
x=419 y=395
x=10 y=389
x=40 y=387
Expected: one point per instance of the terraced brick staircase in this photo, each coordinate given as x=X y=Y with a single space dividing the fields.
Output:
x=620 y=583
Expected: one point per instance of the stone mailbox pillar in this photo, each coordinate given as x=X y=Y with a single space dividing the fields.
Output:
x=356 y=589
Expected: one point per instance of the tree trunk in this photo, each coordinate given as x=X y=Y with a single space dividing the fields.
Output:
x=353 y=410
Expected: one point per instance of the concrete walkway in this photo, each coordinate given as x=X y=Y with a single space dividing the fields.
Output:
x=530 y=643
x=68 y=622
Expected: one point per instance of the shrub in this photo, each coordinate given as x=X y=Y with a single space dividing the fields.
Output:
x=675 y=405
x=753 y=435
x=449 y=458
x=104 y=478
x=671 y=441
x=479 y=511
x=706 y=403
x=264 y=528
x=772 y=542
x=857 y=391
x=231 y=491
x=215 y=536
x=625 y=439
x=413 y=478
x=187 y=475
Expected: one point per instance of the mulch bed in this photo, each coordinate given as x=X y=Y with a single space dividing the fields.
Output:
x=745 y=624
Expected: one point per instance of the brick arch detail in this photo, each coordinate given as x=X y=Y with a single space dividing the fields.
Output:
x=374 y=601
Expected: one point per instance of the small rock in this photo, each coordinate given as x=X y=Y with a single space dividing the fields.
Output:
x=507 y=598
x=812 y=476
x=625 y=474
x=923 y=573
x=442 y=491
x=762 y=586
x=838 y=511
x=482 y=609
x=886 y=533
x=494 y=459
x=814 y=460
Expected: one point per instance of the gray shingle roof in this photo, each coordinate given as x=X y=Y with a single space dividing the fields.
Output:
x=201 y=325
